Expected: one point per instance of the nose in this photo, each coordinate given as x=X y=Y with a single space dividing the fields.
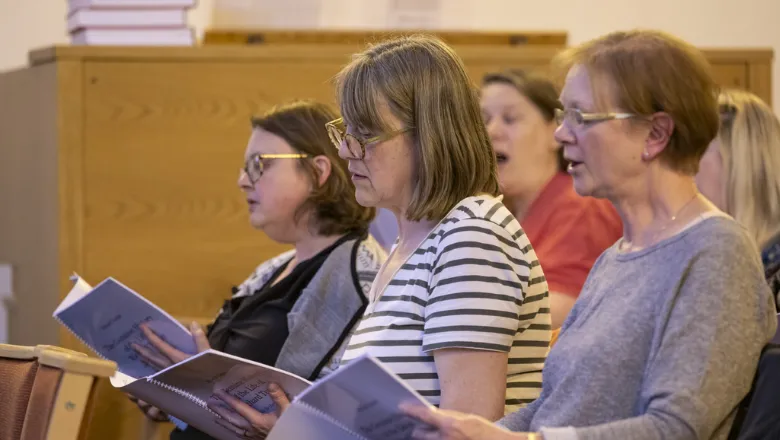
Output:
x=243 y=180
x=494 y=129
x=563 y=135
x=344 y=152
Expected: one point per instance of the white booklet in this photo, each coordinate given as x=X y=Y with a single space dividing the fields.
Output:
x=107 y=319
x=359 y=401
x=183 y=390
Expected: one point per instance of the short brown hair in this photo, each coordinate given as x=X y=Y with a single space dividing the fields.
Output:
x=301 y=124
x=538 y=89
x=425 y=86
x=648 y=71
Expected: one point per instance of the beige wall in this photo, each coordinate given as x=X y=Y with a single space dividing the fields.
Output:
x=26 y=24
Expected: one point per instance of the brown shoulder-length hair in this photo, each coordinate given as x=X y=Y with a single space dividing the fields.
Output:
x=646 y=72
x=301 y=124
x=424 y=84
x=539 y=90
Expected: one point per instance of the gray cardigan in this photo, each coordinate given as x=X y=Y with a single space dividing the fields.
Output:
x=322 y=319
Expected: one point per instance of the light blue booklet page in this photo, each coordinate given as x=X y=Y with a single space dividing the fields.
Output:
x=106 y=318
x=358 y=402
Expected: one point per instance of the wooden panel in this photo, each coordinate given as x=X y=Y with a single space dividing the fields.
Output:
x=28 y=201
x=269 y=36
x=760 y=80
x=731 y=75
x=70 y=185
x=481 y=61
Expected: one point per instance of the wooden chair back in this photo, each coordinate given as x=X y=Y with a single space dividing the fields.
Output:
x=47 y=391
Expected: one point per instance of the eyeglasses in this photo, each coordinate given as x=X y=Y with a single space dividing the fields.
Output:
x=253 y=167
x=576 y=118
x=337 y=132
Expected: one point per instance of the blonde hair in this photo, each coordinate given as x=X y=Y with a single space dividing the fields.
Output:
x=647 y=71
x=750 y=149
x=424 y=84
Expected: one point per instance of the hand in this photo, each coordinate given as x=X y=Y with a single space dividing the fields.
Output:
x=452 y=425
x=246 y=421
x=168 y=355
x=151 y=412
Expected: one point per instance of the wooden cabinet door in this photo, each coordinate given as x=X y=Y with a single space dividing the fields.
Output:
x=731 y=75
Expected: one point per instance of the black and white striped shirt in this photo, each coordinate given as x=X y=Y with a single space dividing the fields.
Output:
x=473 y=283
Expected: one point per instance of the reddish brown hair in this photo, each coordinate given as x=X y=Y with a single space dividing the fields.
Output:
x=645 y=72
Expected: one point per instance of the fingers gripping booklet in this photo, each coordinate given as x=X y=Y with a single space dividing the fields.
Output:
x=184 y=390
x=107 y=319
x=358 y=402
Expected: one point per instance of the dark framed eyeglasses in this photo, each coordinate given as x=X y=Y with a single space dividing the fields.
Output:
x=253 y=167
x=576 y=118
x=337 y=131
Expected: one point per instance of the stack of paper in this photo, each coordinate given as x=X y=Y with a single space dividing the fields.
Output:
x=130 y=22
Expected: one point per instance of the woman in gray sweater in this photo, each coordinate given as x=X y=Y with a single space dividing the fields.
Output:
x=665 y=337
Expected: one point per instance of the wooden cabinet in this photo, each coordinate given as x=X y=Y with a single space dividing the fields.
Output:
x=123 y=162
x=744 y=69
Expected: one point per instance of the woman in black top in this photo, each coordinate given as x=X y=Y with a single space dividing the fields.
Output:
x=298 y=192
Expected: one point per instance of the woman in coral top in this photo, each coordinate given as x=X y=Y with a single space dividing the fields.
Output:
x=568 y=232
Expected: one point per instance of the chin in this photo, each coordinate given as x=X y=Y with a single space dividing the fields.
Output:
x=279 y=233
x=583 y=187
x=257 y=221
x=366 y=199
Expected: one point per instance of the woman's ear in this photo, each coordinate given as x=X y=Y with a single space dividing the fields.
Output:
x=322 y=163
x=661 y=129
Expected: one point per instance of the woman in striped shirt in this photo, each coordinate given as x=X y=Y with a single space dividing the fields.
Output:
x=460 y=309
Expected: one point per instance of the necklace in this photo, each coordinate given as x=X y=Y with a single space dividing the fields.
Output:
x=376 y=291
x=627 y=246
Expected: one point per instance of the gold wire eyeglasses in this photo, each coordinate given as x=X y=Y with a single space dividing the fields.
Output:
x=254 y=167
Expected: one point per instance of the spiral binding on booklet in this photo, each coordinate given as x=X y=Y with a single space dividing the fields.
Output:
x=189 y=396
x=330 y=419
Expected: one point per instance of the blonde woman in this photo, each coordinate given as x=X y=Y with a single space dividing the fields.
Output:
x=740 y=173
x=460 y=310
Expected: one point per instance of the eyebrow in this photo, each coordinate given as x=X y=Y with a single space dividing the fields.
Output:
x=512 y=106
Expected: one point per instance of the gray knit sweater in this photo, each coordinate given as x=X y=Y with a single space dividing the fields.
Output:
x=662 y=343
